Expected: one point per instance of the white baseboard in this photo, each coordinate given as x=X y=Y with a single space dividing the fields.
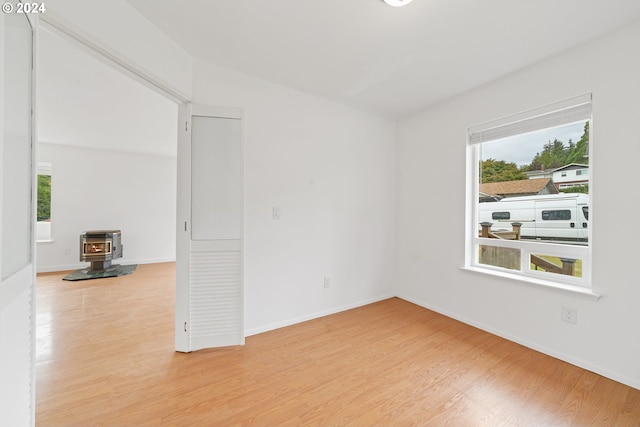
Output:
x=81 y=265
x=631 y=382
x=316 y=315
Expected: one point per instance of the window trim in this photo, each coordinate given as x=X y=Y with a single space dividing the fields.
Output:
x=564 y=112
x=536 y=282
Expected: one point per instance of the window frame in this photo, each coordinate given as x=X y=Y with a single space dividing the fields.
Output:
x=579 y=109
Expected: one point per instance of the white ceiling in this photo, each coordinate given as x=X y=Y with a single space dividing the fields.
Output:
x=82 y=101
x=392 y=61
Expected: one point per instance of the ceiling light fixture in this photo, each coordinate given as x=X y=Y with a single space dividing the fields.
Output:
x=397 y=3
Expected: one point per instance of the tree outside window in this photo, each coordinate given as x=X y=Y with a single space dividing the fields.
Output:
x=43 y=225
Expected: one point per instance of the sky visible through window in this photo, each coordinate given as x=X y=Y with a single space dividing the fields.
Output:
x=521 y=149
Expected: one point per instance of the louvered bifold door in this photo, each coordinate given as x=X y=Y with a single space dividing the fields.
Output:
x=215 y=293
x=213 y=307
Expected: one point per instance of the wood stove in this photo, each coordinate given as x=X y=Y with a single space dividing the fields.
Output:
x=100 y=247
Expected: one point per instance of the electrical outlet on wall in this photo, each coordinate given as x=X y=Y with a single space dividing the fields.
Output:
x=327 y=282
x=570 y=314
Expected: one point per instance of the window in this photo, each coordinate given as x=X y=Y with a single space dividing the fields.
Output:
x=560 y=215
x=548 y=239
x=579 y=172
x=563 y=173
x=43 y=226
x=501 y=215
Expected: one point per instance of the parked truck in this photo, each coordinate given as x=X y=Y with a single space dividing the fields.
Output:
x=553 y=217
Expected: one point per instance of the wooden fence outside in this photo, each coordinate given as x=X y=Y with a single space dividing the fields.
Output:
x=510 y=257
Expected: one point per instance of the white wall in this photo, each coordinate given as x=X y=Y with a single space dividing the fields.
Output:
x=121 y=30
x=85 y=102
x=101 y=189
x=431 y=210
x=331 y=170
x=110 y=140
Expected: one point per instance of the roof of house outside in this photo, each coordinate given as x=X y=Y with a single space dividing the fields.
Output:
x=571 y=166
x=520 y=187
x=551 y=171
x=539 y=174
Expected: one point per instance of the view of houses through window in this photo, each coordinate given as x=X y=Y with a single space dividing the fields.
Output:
x=532 y=206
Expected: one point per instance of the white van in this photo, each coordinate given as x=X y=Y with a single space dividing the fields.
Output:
x=554 y=217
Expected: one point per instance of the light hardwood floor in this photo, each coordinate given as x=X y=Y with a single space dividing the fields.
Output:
x=105 y=358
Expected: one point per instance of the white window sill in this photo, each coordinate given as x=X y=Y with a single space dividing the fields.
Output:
x=576 y=290
x=45 y=241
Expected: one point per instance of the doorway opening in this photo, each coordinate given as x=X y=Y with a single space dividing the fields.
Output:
x=111 y=144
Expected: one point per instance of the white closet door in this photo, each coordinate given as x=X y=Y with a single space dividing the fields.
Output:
x=209 y=297
x=17 y=275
